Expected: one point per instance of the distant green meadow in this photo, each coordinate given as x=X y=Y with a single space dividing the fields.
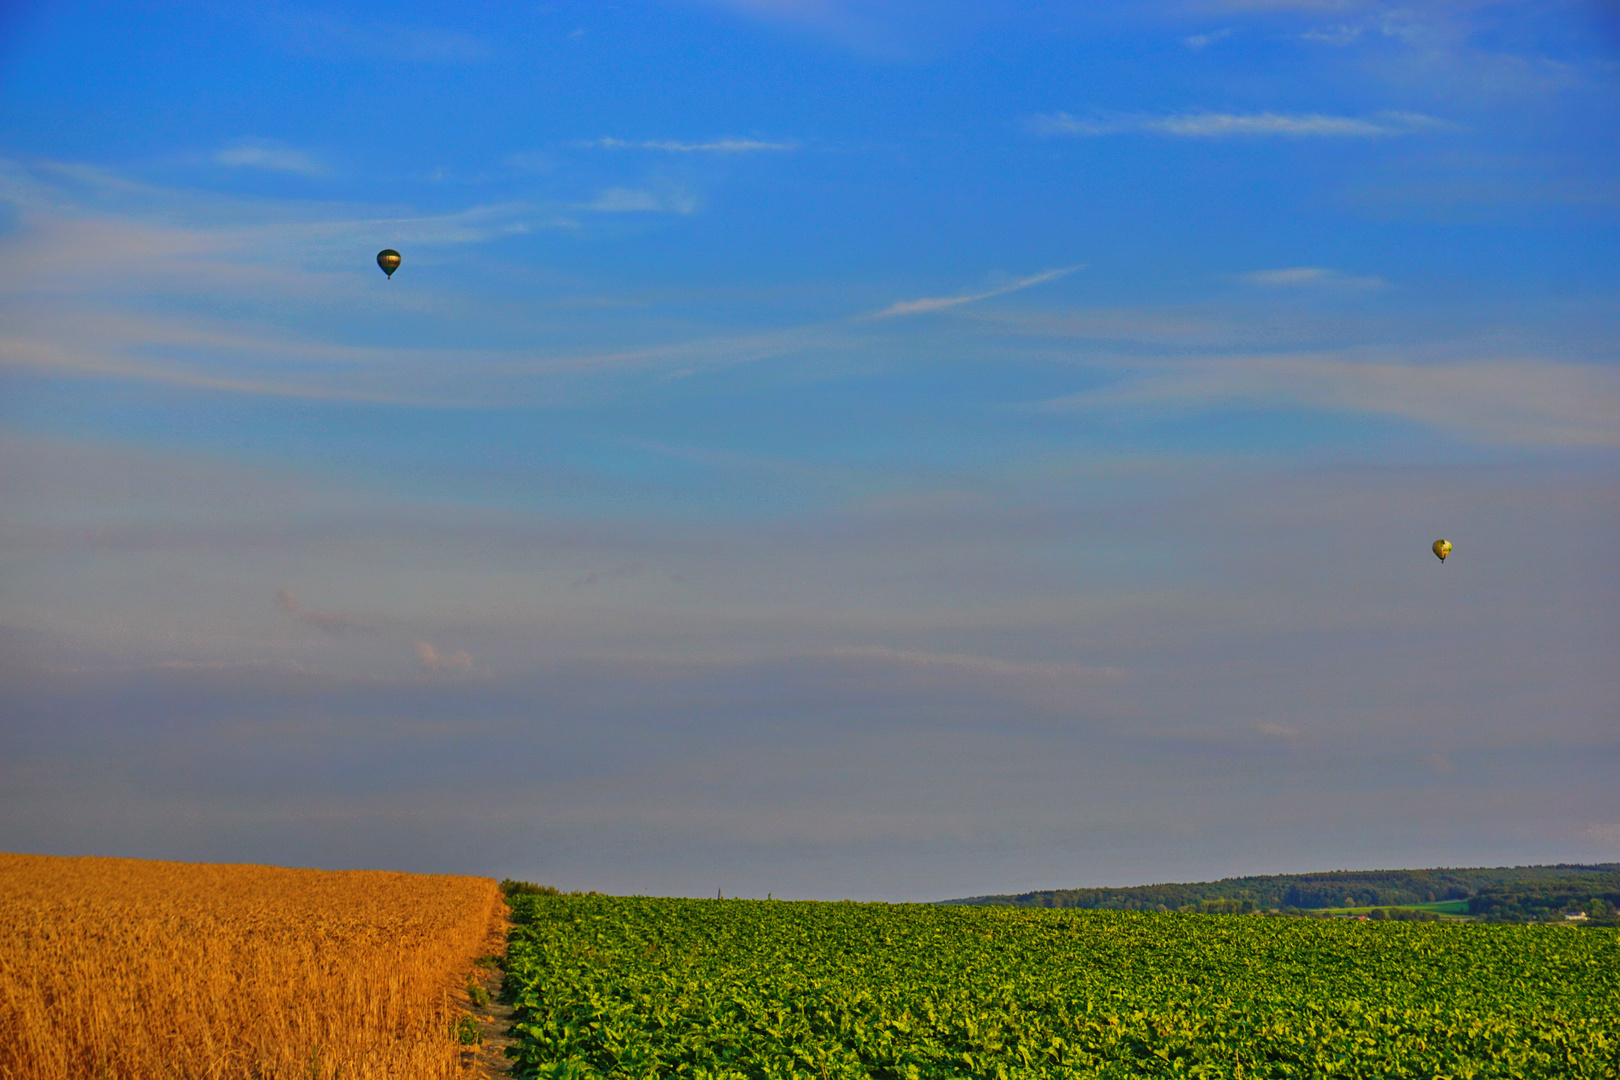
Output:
x=1439 y=907
x=711 y=989
x=1444 y=907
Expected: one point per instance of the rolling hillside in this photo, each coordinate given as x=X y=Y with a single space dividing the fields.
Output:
x=1505 y=893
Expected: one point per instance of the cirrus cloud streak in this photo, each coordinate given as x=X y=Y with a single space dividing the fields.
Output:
x=713 y=146
x=1214 y=125
x=940 y=303
x=1522 y=401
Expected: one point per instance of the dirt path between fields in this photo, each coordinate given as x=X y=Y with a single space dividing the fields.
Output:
x=488 y=1061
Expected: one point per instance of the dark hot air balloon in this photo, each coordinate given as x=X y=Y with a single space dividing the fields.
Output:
x=388 y=259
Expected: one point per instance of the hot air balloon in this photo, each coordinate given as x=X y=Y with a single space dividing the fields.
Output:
x=1441 y=549
x=388 y=259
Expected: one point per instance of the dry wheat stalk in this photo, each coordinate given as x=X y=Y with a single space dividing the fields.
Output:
x=121 y=968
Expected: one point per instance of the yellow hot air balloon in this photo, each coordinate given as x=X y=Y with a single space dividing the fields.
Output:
x=1441 y=549
x=388 y=259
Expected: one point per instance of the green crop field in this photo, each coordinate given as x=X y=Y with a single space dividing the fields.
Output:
x=636 y=987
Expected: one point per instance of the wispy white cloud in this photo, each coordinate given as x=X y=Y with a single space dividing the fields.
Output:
x=1211 y=125
x=1528 y=402
x=197 y=354
x=437 y=663
x=268 y=154
x=619 y=200
x=1298 y=275
x=1332 y=35
x=114 y=359
x=74 y=219
x=924 y=306
x=1311 y=275
x=714 y=146
x=1200 y=42
x=1217 y=125
x=1460 y=49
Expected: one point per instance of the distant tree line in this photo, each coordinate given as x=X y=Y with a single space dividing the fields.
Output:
x=1403 y=915
x=1507 y=893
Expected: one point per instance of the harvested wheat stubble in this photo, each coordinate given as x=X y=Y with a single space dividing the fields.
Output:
x=120 y=968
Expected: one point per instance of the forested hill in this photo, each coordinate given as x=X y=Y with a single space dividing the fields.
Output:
x=1522 y=891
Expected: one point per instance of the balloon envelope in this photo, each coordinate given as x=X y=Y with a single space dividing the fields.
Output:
x=1441 y=549
x=388 y=259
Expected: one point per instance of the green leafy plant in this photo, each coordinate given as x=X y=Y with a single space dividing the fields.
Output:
x=467 y=1031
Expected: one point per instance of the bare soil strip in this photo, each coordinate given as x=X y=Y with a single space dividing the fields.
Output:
x=488 y=1060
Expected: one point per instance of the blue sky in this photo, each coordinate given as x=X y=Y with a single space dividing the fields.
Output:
x=878 y=450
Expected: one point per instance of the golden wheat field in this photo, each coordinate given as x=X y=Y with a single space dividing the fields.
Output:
x=121 y=968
